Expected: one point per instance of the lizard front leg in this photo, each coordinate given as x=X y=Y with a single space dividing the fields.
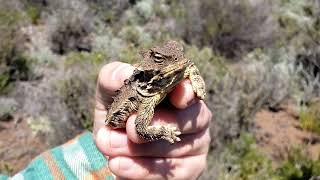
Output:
x=197 y=82
x=152 y=133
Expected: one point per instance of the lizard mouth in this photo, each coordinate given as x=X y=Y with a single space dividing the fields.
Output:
x=170 y=75
x=165 y=79
x=175 y=68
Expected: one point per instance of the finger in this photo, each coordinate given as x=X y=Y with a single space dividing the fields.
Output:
x=190 y=120
x=99 y=120
x=111 y=77
x=116 y=143
x=189 y=167
x=183 y=95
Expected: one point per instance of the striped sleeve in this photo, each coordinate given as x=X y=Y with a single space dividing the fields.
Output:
x=77 y=159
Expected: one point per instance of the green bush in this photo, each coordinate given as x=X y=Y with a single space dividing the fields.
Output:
x=130 y=55
x=299 y=22
x=241 y=159
x=78 y=100
x=77 y=89
x=94 y=58
x=8 y=108
x=231 y=28
x=34 y=14
x=5 y=168
x=109 y=11
x=310 y=117
x=299 y=166
x=14 y=65
x=71 y=23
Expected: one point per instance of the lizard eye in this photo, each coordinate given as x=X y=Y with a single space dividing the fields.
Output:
x=158 y=57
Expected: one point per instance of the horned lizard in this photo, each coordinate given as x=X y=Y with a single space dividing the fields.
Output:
x=162 y=68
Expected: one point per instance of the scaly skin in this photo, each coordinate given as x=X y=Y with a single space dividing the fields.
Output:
x=162 y=69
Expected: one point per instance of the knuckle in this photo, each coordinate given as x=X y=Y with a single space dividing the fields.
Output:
x=210 y=115
x=207 y=142
x=207 y=112
x=204 y=116
x=202 y=168
x=190 y=171
x=207 y=138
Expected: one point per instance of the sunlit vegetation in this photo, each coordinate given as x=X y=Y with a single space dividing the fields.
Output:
x=253 y=55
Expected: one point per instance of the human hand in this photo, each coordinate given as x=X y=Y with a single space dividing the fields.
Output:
x=130 y=157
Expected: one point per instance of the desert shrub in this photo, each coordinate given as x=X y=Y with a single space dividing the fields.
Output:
x=136 y=36
x=241 y=159
x=239 y=95
x=144 y=9
x=75 y=95
x=78 y=88
x=14 y=65
x=212 y=66
x=40 y=125
x=33 y=9
x=95 y=59
x=6 y=169
x=310 y=116
x=299 y=166
x=42 y=106
x=108 y=43
x=8 y=108
x=110 y=11
x=71 y=24
x=308 y=84
x=237 y=92
x=37 y=2
x=233 y=28
x=130 y=55
x=310 y=63
x=34 y=14
x=299 y=22
x=228 y=27
x=139 y=14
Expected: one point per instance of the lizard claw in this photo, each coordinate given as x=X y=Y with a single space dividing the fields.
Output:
x=172 y=134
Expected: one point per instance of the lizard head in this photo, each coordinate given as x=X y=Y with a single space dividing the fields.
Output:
x=163 y=66
x=167 y=59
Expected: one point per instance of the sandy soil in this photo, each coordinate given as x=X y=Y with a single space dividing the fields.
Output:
x=18 y=145
x=277 y=132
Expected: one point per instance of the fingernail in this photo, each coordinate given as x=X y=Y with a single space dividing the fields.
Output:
x=102 y=135
x=101 y=139
x=122 y=72
x=127 y=72
x=111 y=138
x=189 y=94
x=120 y=163
x=115 y=73
x=191 y=102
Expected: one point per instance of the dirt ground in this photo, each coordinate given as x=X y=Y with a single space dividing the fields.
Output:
x=277 y=132
x=18 y=145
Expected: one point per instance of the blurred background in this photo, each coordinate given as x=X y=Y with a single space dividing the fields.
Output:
x=260 y=60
